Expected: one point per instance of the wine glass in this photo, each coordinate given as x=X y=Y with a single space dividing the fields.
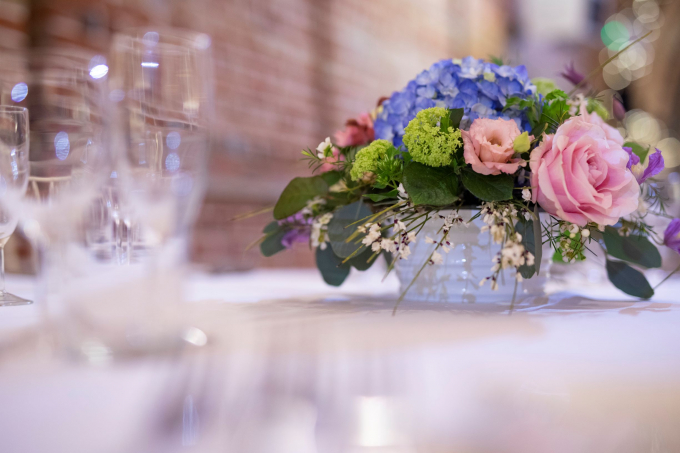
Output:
x=161 y=85
x=14 y=165
x=68 y=160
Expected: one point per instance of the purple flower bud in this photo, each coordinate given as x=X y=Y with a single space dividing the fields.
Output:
x=571 y=74
x=671 y=237
x=618 y=109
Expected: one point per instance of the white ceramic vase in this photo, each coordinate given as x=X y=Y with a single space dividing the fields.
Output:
x=470 y=260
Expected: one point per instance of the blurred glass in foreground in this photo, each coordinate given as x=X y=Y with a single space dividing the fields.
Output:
x=14 y=141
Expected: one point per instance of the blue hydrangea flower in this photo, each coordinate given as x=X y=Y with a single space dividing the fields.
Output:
x=479 y=87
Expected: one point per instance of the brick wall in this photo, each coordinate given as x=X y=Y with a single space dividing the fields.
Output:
x=288 y=74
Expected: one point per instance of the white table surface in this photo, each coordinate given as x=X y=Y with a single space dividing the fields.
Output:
x=295 y=366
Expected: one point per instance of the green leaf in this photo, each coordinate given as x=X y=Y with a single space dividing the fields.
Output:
x=556 y=94
x=455 y=117
x=271 y=227
x=526 y=229
x=331 y=177
x=557 y=257
x=296 y=195
x=488 y=187
x=629 y=280
x=272 y=242
x=375 y=197
x=339 y=228
x=331 y=267
x=361 y=261
x=431 y=186
x=638 y=149
x=634 y=249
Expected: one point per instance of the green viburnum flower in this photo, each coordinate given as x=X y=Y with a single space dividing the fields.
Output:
x=544 y=85
x=368 y=158
x=427 y=143
x=596 y=106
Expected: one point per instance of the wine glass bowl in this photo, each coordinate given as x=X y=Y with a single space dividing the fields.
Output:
x=160 y=82
x=14 y=170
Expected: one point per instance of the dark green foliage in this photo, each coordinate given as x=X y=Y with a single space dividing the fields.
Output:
x=296 y=195
x=629 y=280
x=488 y=187
x=633 y=249
x=343 y=225
x=331 y=267
x=431 y=186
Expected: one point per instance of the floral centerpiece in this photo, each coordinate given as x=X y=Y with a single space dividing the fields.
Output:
x=474 y=133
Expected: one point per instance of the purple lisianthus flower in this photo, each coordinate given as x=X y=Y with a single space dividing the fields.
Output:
x=299 y=229
x=671 y=238
x=655 y=165
x=571 y=74
x=633 y=159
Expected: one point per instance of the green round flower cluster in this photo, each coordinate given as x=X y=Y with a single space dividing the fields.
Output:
x=427 y=143
x=367 y=158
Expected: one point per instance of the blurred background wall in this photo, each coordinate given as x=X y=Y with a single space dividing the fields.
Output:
x=290 y=72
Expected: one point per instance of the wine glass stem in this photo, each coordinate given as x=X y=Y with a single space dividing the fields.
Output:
x=2 y=269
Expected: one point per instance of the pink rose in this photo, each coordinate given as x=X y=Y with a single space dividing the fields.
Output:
x=357 y=132
x=610 y=132
x=488 y=146
x=580 y=176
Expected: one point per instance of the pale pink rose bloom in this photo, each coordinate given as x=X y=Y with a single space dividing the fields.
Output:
x=580 y=176
x=357 y=132
x=610 y=132
x=488 y=146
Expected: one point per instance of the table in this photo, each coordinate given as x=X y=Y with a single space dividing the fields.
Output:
x=294 y=366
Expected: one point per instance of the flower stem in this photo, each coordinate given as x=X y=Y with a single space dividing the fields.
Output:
x=609 y=60
x=667 y=277
x=403 y=294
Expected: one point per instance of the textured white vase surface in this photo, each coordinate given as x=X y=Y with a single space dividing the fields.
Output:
x=457 y=279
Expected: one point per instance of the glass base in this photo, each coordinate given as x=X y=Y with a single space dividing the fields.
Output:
x=7 y=299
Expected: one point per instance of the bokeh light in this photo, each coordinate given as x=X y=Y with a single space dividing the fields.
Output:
x=62 y=145
x=670 y=148
x=172 y=162
x=19 y=92
x=173 y=140
x=615 y=35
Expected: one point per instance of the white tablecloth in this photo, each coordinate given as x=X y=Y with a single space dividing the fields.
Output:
x=294 y=366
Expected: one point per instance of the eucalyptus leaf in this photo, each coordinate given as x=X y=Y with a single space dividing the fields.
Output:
x=488 y=187
x=629 y=280
x=361 y=261
x=375 y=197
x=340 y=228
x=271 y=227
x=271 y=245
x=331 y=267
x=526 y=229
x=431 y=186
x=633 y=249
x=331 y=177
x=296 y=195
